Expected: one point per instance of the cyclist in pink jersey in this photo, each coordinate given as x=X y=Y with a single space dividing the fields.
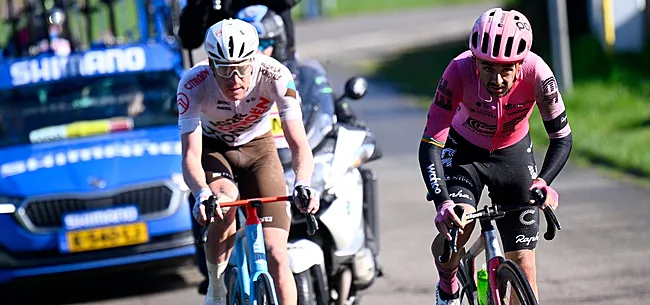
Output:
x=477 y=135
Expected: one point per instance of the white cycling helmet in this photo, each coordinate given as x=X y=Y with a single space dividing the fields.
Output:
x=231 y=41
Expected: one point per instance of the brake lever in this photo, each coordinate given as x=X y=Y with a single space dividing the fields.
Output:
x=552 y=222
x=211 y=207
x=312 y=224
x=450 y=247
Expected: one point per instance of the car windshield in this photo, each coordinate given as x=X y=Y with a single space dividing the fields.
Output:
x=82 y=107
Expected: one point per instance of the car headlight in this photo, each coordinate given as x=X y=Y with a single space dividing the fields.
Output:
x=178 y=179
x=8 y=204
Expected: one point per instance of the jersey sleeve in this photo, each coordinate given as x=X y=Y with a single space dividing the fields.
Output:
x=286 y=96
x=443 y=107
x=189 y=109
x=550 y=102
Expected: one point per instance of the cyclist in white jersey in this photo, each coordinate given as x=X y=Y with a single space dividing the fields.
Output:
x=224 y=104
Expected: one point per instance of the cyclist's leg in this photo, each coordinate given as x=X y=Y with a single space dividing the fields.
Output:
x=461 y=180
x=265 y=177
x=219 y=177
x=512 y=171
x=464 y=186
x=200 y=253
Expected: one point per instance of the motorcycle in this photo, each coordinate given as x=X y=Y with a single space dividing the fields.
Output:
x=340 y=260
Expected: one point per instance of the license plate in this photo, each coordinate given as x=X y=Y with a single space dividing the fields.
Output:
x=105 y=237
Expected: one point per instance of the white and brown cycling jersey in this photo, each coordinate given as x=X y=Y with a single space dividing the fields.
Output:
x=201 y=103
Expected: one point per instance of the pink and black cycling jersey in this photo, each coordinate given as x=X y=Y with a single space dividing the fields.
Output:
x=462 y=102
x=201 y=103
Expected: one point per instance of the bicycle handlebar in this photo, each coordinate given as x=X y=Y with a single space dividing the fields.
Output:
x=494 y=212
x=211 y=209
x=245 y=202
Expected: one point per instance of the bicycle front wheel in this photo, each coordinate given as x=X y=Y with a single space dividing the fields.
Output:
x=513 y=285
x=468 y=293
x=233 y=294
x=264 y=293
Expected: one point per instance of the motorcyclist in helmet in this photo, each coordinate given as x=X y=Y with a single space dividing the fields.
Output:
x=273 y=40
x=198 y=15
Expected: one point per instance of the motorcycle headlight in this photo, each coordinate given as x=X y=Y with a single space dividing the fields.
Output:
x=322 y=126
x=322 y=171
x=321 y=176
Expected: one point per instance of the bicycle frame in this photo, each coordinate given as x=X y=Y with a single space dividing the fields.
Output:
x=256 y=250
x=247 y=280
x=493 y=257
x=488 y=241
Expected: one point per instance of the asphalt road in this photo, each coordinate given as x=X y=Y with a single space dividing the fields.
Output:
x=600 y=256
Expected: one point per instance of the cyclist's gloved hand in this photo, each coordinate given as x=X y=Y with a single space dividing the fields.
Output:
x=552 y=197
x=199 y=209
x=446 y=217
x=314 y=198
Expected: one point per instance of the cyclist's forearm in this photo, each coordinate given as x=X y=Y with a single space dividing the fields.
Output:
x=303 y=164
x=556 y=157
x=302 y=160
x=194 y=174
x=432 y=172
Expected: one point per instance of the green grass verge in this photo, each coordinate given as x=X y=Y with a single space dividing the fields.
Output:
x=609 y=108
x=359 y=7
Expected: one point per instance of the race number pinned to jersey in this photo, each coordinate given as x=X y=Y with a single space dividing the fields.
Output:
x=276 y=128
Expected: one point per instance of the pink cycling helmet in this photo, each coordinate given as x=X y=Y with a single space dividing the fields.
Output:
x=501 y=36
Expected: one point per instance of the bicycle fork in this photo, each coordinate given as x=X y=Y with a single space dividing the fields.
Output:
x=242 y=287
x=493 y=256
x=255 y=260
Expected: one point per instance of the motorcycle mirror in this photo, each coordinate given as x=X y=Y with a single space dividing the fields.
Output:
x=356 y=88
x=56 y=17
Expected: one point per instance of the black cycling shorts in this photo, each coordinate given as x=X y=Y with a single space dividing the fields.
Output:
x=507 y=173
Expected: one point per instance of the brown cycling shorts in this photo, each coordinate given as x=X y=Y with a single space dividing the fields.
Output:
x=255 y=167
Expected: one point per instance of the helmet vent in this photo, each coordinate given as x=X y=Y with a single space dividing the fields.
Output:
x=231 y=47
x=221 y=55
x=522 y=47
x=249 y=53
x=241 y=51
x=509 y=44
x=486 y=40
x=475 y=40
x=497 y=45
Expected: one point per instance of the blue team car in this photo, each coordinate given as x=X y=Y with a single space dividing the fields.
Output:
x=90 y=172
